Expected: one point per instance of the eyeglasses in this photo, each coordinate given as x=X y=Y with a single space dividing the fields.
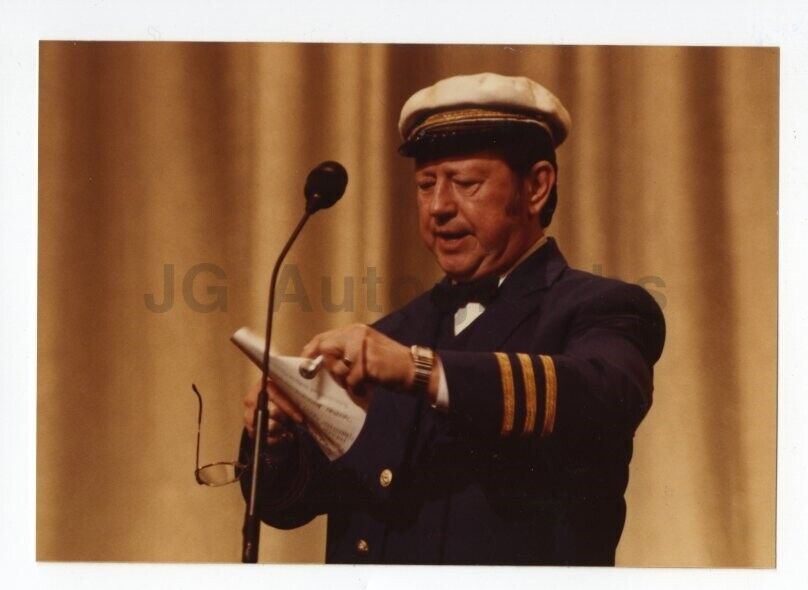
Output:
x=214 y=474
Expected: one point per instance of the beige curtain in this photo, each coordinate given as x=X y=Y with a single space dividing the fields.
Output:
x=187 y=161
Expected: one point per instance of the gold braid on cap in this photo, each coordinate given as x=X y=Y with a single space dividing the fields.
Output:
x=474 y=116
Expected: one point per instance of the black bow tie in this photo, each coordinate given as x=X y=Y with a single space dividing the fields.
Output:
x=450 y=298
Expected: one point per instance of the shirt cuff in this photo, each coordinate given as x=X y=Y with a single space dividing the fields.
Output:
x=442 y=400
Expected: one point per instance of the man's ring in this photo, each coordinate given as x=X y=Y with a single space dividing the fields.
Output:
x=348 y=362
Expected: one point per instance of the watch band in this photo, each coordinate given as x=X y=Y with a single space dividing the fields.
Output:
x=424 y=360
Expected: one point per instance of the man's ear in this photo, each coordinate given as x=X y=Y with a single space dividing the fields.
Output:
x=540 y=181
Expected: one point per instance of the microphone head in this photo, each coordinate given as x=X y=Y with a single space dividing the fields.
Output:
x=324 y=186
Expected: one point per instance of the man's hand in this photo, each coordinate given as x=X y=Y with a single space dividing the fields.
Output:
x=282 y=413
x=358 y=356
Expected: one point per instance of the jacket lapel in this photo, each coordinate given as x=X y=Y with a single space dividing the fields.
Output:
x=518 y=297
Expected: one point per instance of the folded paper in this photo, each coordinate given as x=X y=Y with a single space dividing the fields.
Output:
x=333 y=416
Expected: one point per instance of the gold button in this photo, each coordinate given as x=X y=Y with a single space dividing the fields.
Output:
x=362 y=546
x=386 y=478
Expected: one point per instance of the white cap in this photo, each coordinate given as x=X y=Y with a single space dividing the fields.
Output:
x=483 y=99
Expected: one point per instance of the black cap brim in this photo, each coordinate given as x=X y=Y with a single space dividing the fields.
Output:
x=466 y=139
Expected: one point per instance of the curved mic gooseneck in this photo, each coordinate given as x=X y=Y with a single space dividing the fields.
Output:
x=324 y=187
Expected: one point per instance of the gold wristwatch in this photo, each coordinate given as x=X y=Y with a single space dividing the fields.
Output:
x=424 y=360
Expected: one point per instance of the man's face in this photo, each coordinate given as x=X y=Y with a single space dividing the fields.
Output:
x=473 y=214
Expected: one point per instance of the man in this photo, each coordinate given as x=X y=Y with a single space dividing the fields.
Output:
x=502 y=404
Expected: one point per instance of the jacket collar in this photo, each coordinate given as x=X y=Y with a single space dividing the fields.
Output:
x=538 y=271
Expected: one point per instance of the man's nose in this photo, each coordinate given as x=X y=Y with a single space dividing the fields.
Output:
x=443 y=202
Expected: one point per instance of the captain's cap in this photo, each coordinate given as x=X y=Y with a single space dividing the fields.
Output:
x=481 y=104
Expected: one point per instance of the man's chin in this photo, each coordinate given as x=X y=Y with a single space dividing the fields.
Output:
x=457 y=269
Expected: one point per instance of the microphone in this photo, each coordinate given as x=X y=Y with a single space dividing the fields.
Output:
x=324 y=187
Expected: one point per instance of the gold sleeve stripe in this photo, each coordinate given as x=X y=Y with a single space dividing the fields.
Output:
x=508 y=401
x=550 y=392
x=530 y=392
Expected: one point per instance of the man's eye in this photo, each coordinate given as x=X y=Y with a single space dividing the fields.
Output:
x=466 y=183
x=426 y=185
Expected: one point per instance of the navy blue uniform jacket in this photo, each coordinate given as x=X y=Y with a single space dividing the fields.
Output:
x=530 y=463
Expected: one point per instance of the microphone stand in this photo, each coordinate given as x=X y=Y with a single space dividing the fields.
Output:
x=324 y=187
x=252 y=519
